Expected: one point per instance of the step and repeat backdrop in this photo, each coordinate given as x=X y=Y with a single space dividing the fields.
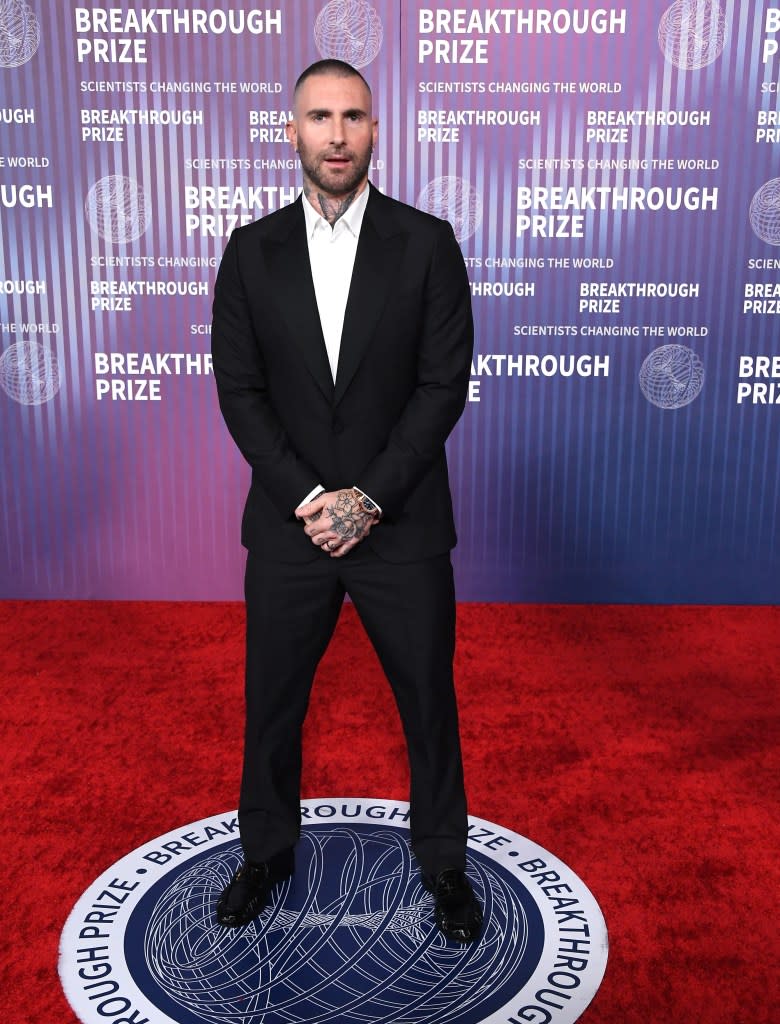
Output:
x=611 y=172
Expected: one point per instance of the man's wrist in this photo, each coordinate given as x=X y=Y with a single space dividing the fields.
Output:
x=367 y=505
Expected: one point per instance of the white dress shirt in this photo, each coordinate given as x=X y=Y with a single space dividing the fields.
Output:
x=332 y=258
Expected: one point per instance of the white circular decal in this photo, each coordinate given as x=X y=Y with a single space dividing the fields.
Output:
x=349 y=939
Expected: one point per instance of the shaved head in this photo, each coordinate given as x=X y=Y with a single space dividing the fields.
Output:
x=331 y=66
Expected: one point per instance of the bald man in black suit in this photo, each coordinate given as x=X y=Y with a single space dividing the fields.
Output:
x=342 y=342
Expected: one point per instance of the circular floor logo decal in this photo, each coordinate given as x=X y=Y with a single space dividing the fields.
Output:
x=349 y=938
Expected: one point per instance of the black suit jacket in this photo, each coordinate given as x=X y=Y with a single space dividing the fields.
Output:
x=401 y=382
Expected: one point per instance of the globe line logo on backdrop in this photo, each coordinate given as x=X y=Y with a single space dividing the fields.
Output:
x=20 y=34
x=692 y=33
x=765 y=212
x=672 y=376
x=349 y=938
x=349 y=30
x=453 y=199
x=118 y=209
x=29 y=373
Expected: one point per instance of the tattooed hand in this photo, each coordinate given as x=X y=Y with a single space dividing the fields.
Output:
x=336 y=521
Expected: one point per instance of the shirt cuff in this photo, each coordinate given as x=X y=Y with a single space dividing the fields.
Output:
x=360 y=491
x=319 y=489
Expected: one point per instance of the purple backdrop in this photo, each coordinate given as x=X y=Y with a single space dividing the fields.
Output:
x=611 y=173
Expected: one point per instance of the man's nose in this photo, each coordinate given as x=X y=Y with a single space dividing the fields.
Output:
x=337 y=130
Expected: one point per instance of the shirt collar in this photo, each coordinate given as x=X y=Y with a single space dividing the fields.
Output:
x=351 y=220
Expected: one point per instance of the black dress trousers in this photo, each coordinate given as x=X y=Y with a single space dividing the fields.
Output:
x=408 y=611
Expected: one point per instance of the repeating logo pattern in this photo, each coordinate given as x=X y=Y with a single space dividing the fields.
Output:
x=671 y=376
x=349 y=30
x=455 y=200
x=29 y=373
x=118 y=209
x=765 y=212
x=692 y=33
x=350 y=938
x=20 y=33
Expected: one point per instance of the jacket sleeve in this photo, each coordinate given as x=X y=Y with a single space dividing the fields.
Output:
x=240 y=374
x=443 y=369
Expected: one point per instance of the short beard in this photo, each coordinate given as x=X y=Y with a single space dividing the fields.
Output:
x=346 y=186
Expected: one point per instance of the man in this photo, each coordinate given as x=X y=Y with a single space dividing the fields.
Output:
x=342 y=342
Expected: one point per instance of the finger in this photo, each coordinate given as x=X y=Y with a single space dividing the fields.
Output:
x=311 y=508
x=336 y=546
x=326 y=538
x=322 y=525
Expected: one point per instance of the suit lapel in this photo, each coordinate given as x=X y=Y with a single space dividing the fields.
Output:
x=287 y=259
x=377 y=263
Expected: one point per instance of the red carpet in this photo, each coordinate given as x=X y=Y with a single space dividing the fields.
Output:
x=637 y=744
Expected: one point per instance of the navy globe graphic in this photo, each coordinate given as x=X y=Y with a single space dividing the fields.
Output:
x=350 y=938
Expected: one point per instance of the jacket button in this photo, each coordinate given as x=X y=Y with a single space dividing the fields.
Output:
x=338 y=426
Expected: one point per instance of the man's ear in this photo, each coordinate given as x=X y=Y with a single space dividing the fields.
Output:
x=291 y=131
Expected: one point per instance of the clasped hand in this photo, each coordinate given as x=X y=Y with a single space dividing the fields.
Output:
x=336 y=521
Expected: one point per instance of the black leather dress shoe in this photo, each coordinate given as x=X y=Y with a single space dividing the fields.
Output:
x=456 y=909
x=247 y=894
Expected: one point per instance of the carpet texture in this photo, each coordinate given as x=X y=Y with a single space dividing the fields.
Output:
x=639 y=744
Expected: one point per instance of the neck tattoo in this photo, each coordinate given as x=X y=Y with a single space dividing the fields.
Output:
x=331 y=209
